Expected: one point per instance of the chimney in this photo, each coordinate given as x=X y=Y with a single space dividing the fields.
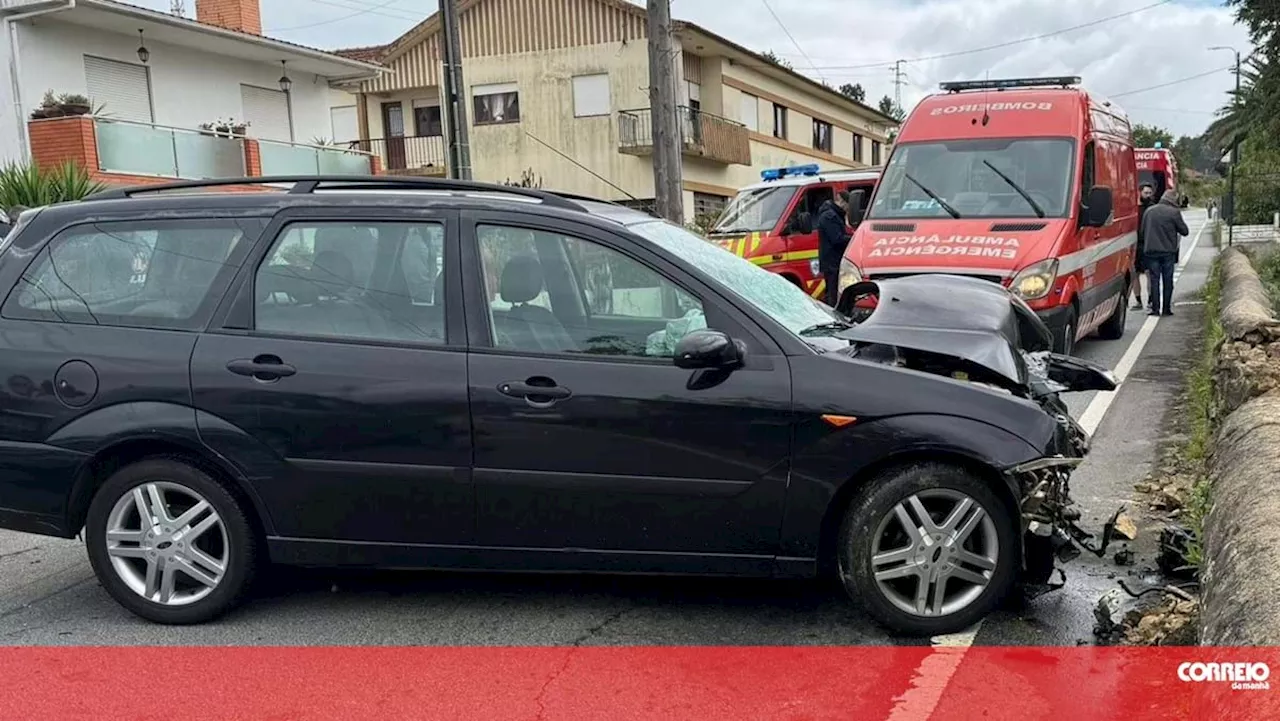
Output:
x=242 y=15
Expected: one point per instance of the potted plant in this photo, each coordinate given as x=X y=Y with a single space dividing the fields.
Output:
x=228 y=128
x=74 y=104
x=48 y=108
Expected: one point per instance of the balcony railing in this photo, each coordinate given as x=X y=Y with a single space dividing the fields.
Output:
x=297 y=159
x=701 y=134
x=146 y=149
x=407 y=155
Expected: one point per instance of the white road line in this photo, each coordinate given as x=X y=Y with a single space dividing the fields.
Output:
x=1097 y=408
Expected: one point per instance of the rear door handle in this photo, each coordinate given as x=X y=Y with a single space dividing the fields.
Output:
x=537 y=392
x=264 y=367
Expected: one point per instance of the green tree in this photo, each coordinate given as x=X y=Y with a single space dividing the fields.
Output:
x=776 y=59
x=1146 y=136
x=890 y=108
x=854 y=91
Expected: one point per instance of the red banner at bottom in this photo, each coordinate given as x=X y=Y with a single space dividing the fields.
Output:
x=633 y=683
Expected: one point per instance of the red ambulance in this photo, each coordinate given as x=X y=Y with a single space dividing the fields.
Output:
x=1024 y=182
x=1158 y=167
x=773 y=223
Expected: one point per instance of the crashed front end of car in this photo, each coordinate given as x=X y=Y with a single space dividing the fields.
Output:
x=973 y=330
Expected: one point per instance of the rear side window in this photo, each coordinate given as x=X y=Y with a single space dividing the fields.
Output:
x=152 y=274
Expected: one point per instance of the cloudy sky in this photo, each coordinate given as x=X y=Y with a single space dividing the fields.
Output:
x=858 y=40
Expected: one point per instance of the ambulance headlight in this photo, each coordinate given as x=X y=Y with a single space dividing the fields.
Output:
x=1036 y=280
x=849 y=274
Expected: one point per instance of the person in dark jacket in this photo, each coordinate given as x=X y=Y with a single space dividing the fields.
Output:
x=1162 y=230
x=1147 y=198
x=833 y=238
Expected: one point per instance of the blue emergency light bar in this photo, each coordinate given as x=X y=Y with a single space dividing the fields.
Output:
x=779 y=173
x=1008 y=83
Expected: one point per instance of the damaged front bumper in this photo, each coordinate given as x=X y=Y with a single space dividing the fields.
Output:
x=1050 y=520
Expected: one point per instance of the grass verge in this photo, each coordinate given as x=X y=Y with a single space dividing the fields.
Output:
x=1200 y=416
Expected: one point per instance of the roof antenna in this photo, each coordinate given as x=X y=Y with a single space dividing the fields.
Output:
x=986 y=104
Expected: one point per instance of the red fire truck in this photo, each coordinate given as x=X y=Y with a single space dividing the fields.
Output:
x=1159 y=167
x=772 y=223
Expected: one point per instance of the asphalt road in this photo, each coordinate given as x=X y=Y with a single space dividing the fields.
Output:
x=48 y=594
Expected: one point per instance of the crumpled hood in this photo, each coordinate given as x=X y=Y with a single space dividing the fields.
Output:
x=998 y=247
x=952 y=315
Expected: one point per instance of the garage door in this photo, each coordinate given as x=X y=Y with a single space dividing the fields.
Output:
x=123 y=88
x=267 y=112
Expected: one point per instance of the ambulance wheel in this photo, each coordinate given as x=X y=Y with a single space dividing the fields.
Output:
x=1113 y=328
x=1065 y=343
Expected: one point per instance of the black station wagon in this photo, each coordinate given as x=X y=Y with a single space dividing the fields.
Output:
x=367 y=371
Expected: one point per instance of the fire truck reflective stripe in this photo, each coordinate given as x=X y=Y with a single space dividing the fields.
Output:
x=818 y=289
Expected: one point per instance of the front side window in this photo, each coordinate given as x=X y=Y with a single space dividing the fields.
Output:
x=494 y=104
x=157 y=274
x=355 y=281
x=553 y=293
x=995 y=178
x=758 y=209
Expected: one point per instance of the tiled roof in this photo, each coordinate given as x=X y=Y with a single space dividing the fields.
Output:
x=370 y=54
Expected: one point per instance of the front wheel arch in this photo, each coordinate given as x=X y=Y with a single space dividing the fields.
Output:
x=829 y=537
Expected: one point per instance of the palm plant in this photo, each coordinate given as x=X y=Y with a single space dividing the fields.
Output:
x=33 y=186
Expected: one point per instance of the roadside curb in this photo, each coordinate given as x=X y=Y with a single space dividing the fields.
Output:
x=1242 y=529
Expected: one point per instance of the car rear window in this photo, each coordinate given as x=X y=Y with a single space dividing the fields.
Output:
x=157 y=274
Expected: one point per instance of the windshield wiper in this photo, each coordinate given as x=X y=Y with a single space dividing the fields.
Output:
x=834 y=326
x=950 y=210
x=1025 y=195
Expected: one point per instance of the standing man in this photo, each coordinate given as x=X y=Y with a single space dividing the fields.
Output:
x=1162 y=229
x=1147 y=197
x=833 y=238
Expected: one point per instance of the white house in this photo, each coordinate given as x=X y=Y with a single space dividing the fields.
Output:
x=157 y=78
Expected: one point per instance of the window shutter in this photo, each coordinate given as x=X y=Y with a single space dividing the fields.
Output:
x=123 y=88
x=267 y=112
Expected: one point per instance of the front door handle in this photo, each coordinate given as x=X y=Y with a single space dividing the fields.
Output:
x=538 y=392
x=265 y=367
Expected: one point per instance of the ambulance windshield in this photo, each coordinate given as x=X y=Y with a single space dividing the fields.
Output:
x=967 y=175
x=757 y=209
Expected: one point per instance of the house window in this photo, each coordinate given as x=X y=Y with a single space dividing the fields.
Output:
x=427 y=122
x=780 y=121
x=267 y=112
x=875 y=152
x=125 y=88
x=496 y=104
x=749 y=111
x=707 y=204
x=857 y=147
x=343 y=123
x=591 y=95
x=822 y=135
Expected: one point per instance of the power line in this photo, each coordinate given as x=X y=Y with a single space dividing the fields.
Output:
x=1010 y=43
x=366 y=11
x=396 y=13
x=769 y=7
x=1189 y=78
x=1170 y=110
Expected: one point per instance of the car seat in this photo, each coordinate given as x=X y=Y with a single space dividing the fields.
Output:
x=530 y=326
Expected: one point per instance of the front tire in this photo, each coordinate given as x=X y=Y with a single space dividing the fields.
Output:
x=1065 y=343
x=928 y=549
x=170 y=543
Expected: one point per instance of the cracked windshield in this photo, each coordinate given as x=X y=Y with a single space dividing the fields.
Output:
x=636 y=359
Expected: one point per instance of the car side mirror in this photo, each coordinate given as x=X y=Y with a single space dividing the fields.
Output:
x=857 y=207
x=1098 y=207
x=709 y=349
x=801 y=224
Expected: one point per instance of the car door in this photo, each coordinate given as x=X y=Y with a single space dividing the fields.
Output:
x=337 y=375
x=587 y=435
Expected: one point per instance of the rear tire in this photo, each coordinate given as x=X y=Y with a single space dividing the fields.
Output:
x=1113 y=328
x=967 y=566
x=170 y=543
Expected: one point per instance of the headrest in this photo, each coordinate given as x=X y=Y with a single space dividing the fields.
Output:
x=333 y=268
x=521 y=279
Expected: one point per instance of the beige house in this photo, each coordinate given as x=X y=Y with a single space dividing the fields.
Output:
x=559 y=89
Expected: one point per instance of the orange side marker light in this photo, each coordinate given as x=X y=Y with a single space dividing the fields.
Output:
x=839 y=421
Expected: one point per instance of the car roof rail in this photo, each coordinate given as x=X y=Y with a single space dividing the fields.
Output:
x=302 y=184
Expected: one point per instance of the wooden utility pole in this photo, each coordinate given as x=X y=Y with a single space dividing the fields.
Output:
x=455 y=103
x=663 y=114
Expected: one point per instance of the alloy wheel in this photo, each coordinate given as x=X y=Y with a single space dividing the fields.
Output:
x=934 y=553
x=167 y=543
